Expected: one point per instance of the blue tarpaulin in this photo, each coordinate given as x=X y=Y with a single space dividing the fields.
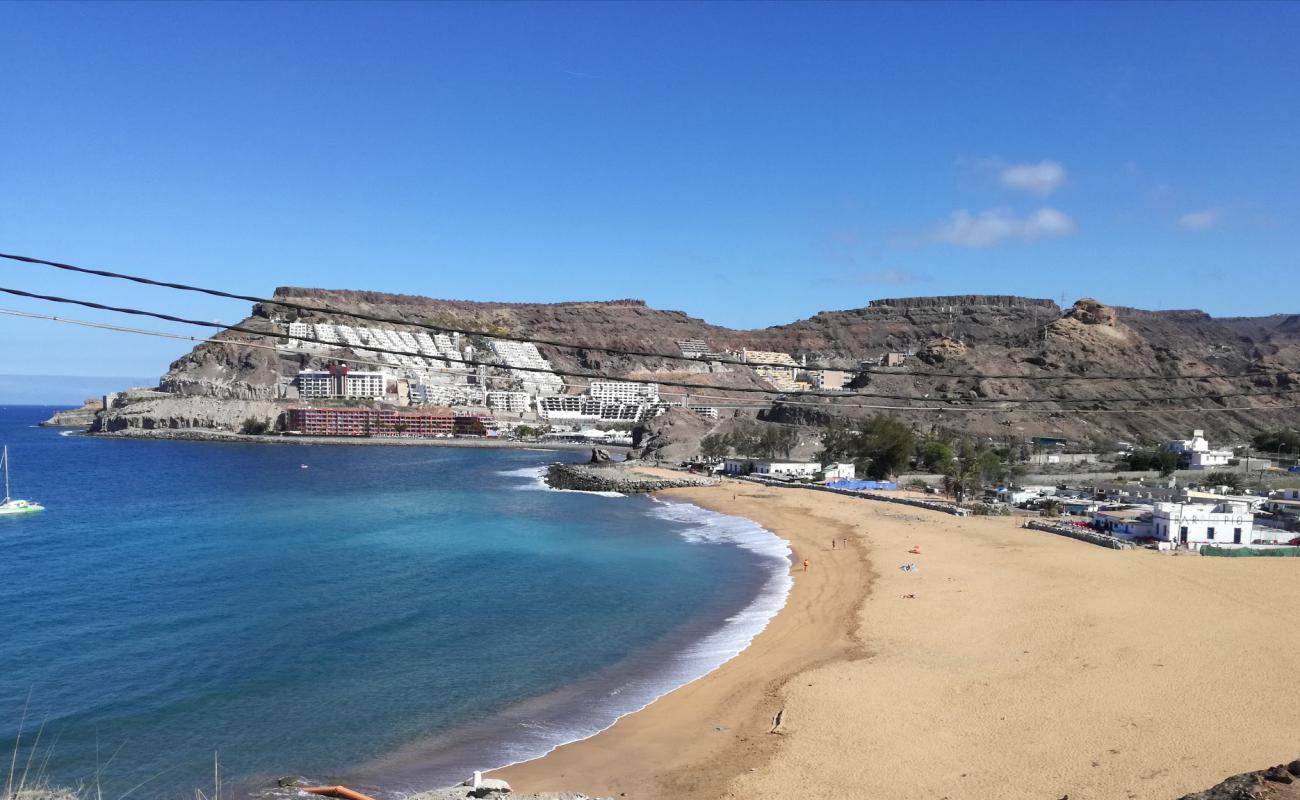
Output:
x=862 y=484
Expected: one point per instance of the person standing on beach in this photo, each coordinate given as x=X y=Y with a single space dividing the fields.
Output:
x=805 y=565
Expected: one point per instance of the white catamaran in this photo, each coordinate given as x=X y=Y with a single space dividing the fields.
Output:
x=11 y=506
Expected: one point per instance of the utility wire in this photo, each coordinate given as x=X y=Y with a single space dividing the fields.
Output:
x=569 y=345
x=605 y=376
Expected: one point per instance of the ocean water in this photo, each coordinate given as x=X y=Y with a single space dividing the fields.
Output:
x=389 y=617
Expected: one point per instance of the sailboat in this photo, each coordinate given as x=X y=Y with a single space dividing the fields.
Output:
x=11 y=506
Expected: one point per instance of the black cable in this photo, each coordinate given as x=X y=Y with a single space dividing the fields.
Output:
x=606 y=376
x=616 y=351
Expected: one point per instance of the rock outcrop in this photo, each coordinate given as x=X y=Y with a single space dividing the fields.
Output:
x=82 y=417
x=1281 y=782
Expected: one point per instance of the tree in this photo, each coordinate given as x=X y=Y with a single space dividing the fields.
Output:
x=887 y=443
x=935 y=455
x=1163 y=460
x=972 y=467
x=254 y=426
x=714 y=445
x=1278 y=440
x=880 y=447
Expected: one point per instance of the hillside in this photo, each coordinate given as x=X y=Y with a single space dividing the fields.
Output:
x=1003 y=346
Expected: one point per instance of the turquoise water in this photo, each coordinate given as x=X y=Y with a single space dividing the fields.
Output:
x=393 y=617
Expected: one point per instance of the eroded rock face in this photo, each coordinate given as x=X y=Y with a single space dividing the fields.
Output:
x=941 y=350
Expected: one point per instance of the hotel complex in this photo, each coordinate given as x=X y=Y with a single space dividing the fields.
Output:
x=411 y=367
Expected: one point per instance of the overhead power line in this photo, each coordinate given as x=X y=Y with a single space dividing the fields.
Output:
x=612 y=350
x=606 y=376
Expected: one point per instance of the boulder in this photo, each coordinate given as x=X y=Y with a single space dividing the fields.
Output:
x=1294 y=768
x=600 y=455
x=940 y=350
x=1092 y=312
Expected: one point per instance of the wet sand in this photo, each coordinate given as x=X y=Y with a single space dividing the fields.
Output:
x=1025 y=665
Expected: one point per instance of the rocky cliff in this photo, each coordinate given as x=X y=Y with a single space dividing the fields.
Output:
x=999 y=346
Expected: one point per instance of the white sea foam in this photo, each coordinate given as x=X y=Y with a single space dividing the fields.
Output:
x=702 y=657
x=580 y=712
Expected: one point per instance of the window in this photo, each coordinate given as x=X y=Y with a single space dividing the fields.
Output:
x=1236 y=535
x=1209 y=533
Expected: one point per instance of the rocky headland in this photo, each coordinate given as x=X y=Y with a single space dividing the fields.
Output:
x=82 y=417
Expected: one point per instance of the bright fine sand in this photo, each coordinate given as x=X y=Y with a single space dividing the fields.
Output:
x=1026 y=665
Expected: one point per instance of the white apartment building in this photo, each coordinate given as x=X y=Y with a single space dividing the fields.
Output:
x=509 y=402
x=1195 y=524
x=624 y=392
x=693 y=348
x=315 y=384
x=298 y=329
x=575 y=408
x=768 y=357
x=779 y=377
x=342 y=383
x=365 y=385
x=708 y=412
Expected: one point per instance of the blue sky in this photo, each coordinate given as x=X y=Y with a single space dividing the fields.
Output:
x=748 y=164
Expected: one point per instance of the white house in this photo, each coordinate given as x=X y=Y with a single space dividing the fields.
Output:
x=1195 y=524
x=1195 y=453
x=1123 y=521
x=840 y=472
x=771 y=469
x=1285 y=504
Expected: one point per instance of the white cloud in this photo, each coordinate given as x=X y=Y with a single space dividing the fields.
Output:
x=1200 y=220
x=1041 y=179
x=997 y=225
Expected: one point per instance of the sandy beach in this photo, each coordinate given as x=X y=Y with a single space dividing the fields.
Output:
x=1012 y=664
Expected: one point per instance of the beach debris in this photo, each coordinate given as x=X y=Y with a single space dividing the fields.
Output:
x=337 y=791
x=909 y=568
x=776 y=721
x=916 y=550
x=909 y=597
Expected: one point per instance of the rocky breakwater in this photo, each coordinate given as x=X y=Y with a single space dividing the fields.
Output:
x=622 y=477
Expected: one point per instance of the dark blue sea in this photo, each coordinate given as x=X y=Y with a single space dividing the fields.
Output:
x=388 y=617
